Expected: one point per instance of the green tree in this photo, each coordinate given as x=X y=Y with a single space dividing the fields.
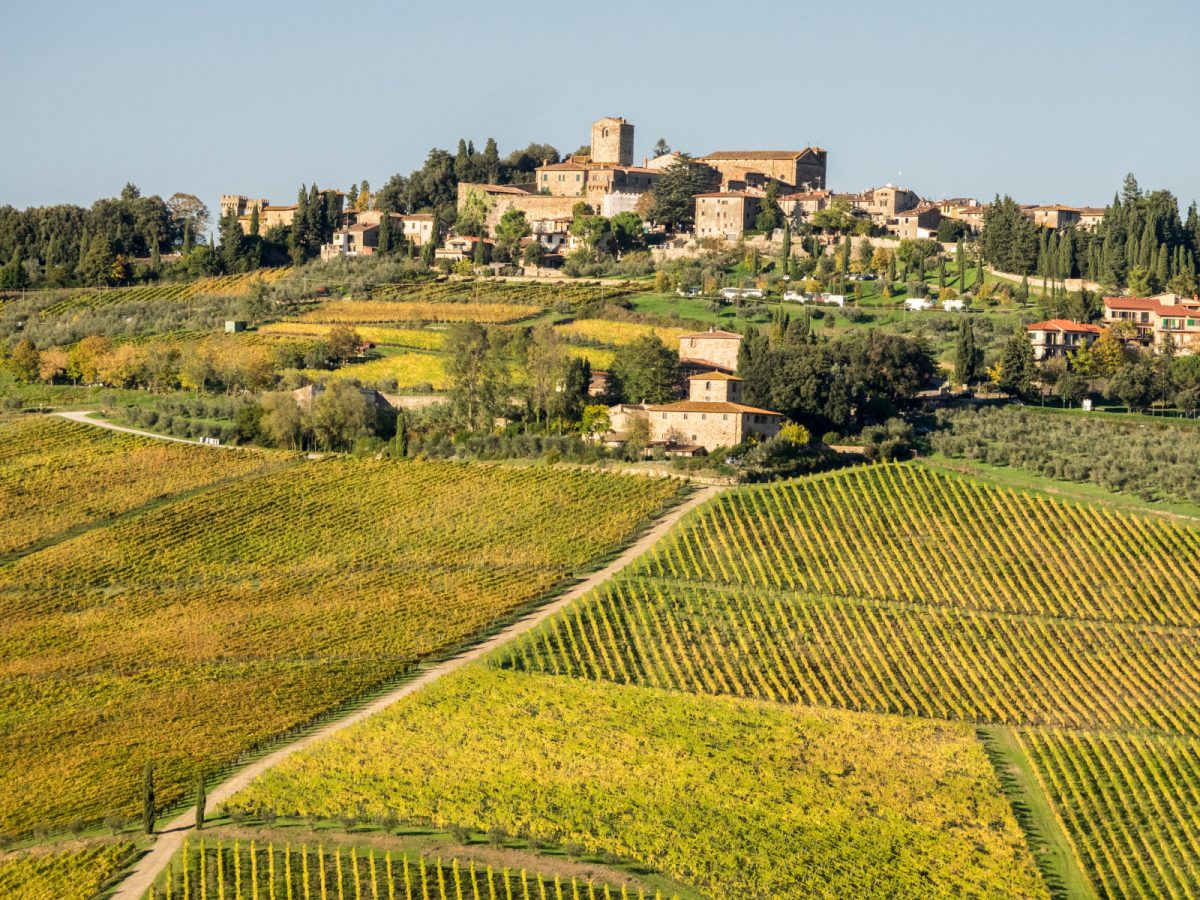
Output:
x=1017 y=366
x=646 y=371
x=23 y=361
x=148 y=807
x=534 y=253
x=385 y=246
x=1133 y=385
x=509 y=231
x=1010 y=239
x=661 y=148
x=340 y=414
x=676 y=190
x=968 y=358
x=1072 y=388
x=627 y=231
x=466 y=359
x=201 y=801
x=785 y=252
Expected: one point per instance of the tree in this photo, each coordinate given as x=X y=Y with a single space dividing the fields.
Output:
x=340 y=414
x=968 y=358
x=283 y=421
x=571 y=396
x=534 y=253
x=95 y=266
x=544 y=362
x=1133 y=385
x=187 y=211
x=646 y=371
x=201 y=801
x=676 y=189
x=1072 y=388
x=594 y=419
x=148 y=809
x=511 y=228
x=52 y=364
x=627 y=230
x=466 y=358
x=785 y=252
x=1017 y=366
x=661 y=148
x=385 y=245
x=1010 y=239
x=770 y=215
x=344 y=342
x=24 y=360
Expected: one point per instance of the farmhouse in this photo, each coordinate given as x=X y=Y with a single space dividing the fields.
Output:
x=713 y=416
x=1056 y=337
x=705 y=351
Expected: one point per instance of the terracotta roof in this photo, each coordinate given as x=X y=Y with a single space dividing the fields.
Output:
x=497 y=188
x=420 y=217
x=761 y=154
x=569 y=164
x=806 y=195
x=715 y=194
x=728 y=335
x=706 y=364
x=714 y=406
x=1092 y=210
x=1064 y=325
x=714 y=375
x=1147 y=303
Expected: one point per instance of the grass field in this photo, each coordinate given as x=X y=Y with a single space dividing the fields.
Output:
x=77 y=874
x=57 y=476
x=738 y=798
x=200 y=630
x=614 y=334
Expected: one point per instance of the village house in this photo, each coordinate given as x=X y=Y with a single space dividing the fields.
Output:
x=801 y=170
x=1057 y=337
x=361 y=236
x=726 y=214
x=416 y=227
x=964 y=210
x=918 y=222
x=1055 y=216
x=801 y=205
x=1090 y=217
x=705 y=351
x=1154 y=318
x=268 y=216
x=459 y=247
x=713 y=416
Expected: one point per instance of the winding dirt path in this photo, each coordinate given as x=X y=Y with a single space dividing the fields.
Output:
x=85 y=416
x=172 y=834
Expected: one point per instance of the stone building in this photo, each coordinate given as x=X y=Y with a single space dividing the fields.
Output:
x=918 y=222
x=268 y=216
x=801 y=169
x=1055 y=216
x=725 y=214
x=705 y=351
x=800 y=205
x=612 y=142
x=713 y=416
x=240 y=204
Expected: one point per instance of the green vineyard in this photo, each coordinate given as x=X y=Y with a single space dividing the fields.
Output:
x=221 y=285
x=62 y=875
x=737 y=798
x=56 y=475
x=200 y=630
x=893 y=589
x=209 y=869
x=1131 y=804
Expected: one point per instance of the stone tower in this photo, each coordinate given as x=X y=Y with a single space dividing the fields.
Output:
x=612 y=142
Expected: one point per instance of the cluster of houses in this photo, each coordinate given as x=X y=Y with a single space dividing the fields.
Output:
x=712 y=415
x=609 y=182
x=1152 y=320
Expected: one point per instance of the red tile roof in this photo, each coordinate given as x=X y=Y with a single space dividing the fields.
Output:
x=761 y=154
x=1064 y=325
x=714 y=376
x=720 y=335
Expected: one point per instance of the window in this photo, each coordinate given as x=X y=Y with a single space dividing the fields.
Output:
x=708 y=385
x=725 y=416
x=685 y=415
x=703 y=416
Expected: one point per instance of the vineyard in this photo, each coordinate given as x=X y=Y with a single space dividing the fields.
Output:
x=367 y=312
x=892 y=589
x=63 y=875
x=1130 y=803
x=57 y=475
x=204 y=628
x=222 y=285
x=411 y=369
x=210 y=869
x=737 y=798
x=530 y=293
x=412 y=338
x=614 y=334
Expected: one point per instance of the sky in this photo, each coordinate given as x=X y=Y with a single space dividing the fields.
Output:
x=1048 y=101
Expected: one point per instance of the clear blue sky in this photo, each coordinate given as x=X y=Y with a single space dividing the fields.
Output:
x=1053 y=100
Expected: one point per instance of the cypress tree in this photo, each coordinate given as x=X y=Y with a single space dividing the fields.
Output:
x=254 y=222
x=967 y=357
x=148 y=811
x=385 y=234
x=201 y=801
x=786 y=251
x=961 y=263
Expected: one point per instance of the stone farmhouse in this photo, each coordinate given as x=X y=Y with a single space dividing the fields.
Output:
x=360 y=235
x=706 y=351
x=919 y=222
x=1154 y=318
x=1057 y=337
x=713 y=416
x=725 y=214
